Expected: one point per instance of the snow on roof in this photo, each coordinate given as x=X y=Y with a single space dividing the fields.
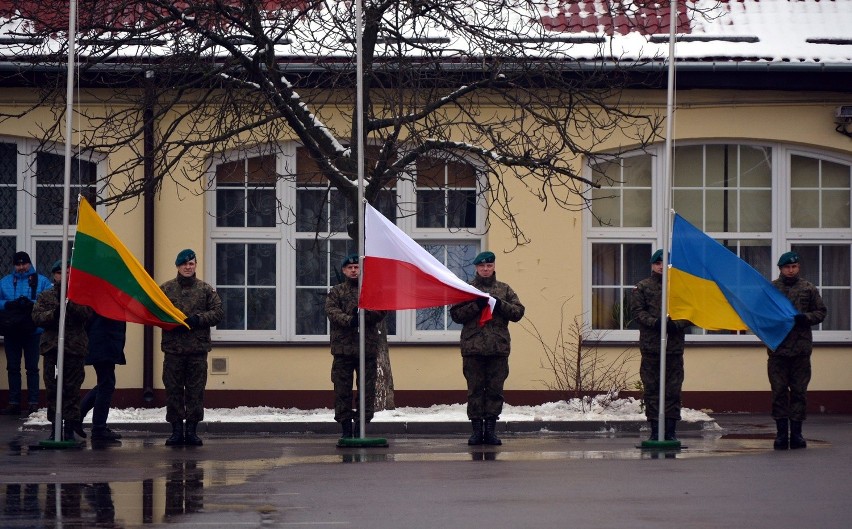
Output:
x=770 y=31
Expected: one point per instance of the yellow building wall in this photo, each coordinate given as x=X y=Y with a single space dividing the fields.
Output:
x=547 y=273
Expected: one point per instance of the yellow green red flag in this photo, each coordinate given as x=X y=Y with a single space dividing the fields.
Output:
x=108 y=278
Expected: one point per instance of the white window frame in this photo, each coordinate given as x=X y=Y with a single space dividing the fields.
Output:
x=781 y=237
x=285 y=235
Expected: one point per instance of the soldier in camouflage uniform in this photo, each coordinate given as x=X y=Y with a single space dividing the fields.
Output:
x=485 y=348
x=789 y=366
x=646 y=310
x=341 y=308
x=185 y=349
x=75 y=348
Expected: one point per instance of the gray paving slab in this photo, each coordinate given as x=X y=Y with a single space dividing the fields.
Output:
x=565 y=475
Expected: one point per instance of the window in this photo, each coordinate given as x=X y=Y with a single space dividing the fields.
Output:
x=756 y=200
x=281 y=231
x=31 y=194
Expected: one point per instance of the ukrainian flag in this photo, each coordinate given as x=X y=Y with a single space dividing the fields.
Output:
x=716 y=290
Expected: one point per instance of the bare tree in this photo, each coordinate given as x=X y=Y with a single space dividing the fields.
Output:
x=484 y=82
x=578 y=369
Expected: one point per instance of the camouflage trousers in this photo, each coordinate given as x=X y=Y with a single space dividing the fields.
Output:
x=344 y=369
x=73 y=374
x=185 y=377
x=485 y=377
x=649 y=373
x=789 y=377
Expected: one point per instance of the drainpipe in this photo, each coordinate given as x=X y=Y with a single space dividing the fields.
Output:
x=148 y=238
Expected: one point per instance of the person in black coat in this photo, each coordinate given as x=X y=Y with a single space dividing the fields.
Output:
x=106 y=349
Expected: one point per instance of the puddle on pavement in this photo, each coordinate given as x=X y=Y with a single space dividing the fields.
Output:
x=186 y=485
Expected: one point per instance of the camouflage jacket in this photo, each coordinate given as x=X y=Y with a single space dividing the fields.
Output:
x=193 y=297
x=806 y=299
x=341 y=308
x=491 y=339
x=46 y=316
x=646 y=309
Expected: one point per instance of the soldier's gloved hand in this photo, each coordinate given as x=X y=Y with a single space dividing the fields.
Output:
x=56 y=316
x=801 y=319
x=671 y=326
x=481 y=302
x=193 y=321
x=658 y=325
x=354 y=322
x=497 y=304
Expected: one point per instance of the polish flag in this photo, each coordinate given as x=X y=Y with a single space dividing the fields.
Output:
x=399 y=274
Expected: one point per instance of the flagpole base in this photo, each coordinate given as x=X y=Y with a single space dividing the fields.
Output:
x=660 y=445
x=362 y=442
x=59 y=445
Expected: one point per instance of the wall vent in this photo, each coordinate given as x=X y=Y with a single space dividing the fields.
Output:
x=219 y=366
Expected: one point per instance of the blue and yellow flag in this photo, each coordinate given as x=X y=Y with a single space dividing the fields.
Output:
x=716 y=290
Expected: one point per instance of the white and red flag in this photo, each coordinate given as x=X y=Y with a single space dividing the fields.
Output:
x=399 y=274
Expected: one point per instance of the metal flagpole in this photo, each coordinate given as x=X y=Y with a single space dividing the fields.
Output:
x=667 y=208
x=360 y=139
x=359 y=115
x=66 y=196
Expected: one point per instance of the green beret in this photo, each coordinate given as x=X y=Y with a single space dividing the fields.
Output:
x=484 y=257
x=350 y=259
x=184 y=256
x=657 y=257
x=788 y=258
x=57 y=266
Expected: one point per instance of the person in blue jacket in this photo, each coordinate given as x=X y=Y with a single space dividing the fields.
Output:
x=106 y=349
x=18 y=292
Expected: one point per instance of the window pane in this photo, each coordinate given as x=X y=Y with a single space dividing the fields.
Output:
x=230 y=264
x=835 y=175
x=310 y=211
x=637 y=207
x=804 y=172
x=606 y=207
x=616 y=267
x=755 y=166
x=804 y=209
x=606 y=308
x=837 y=304
x=430 y=209
x=689 y=167
x=462 y=209
x=311 y=263
x=234 y=304
x=836 y=265
x=341 y=212
x=690 y=205
x=8 y=164
x=50 y=179
x=47 y=253
x=637 y=171
x=230 y=209
x=262 y=266
x=310 y=311
x=8 y=207
x=261 y=309
x=755 y=211
x=835 y=209
x=261 y=207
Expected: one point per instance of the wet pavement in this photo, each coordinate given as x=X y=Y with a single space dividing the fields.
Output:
x=568 y=476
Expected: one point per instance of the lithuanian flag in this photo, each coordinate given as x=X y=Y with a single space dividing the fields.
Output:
x=107 y=277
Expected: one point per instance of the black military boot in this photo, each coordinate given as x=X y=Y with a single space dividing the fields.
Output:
x=476 y=438
x=176 y=439
x=655 y=431
x=69 y=428
x=796 y=439
x=190 y=438
x=669 y=434
x=782 y=437
x=346 y=429
x=489 y=437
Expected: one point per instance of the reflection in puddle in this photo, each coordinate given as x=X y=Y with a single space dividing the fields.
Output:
x=184 y=483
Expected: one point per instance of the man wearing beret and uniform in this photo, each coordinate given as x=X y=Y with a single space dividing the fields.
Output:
x=485 y=348
x=646 y=310
x=75 y=347
x=789 y=365
x=185 y=350
x=18 y=292
x=341 y=308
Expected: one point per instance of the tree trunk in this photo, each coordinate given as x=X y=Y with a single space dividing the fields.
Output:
x=384 y=378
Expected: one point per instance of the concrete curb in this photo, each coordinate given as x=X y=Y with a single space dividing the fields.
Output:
x=404 y=428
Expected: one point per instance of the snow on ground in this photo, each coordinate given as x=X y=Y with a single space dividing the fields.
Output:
x=599 y=409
